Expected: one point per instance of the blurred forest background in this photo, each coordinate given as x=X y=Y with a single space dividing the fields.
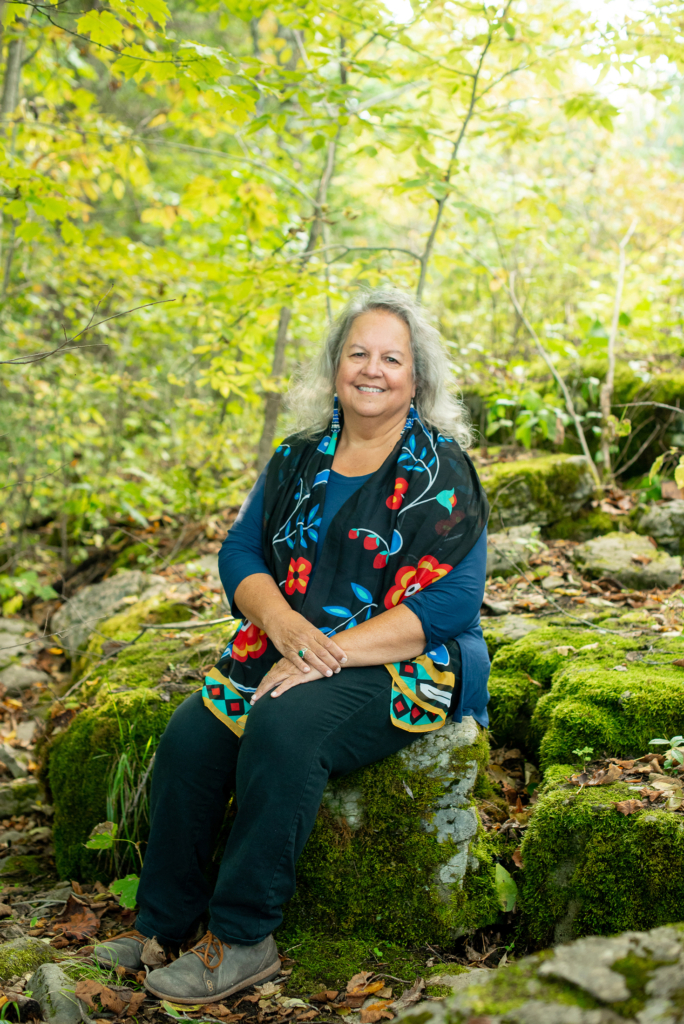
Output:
x=190 y=191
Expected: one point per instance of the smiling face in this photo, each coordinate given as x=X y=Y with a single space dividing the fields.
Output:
x=375 y=375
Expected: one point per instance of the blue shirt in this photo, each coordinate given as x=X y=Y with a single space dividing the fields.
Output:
x=448 y=609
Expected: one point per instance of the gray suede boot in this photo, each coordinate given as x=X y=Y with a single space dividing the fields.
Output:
x=212 y=970
x=123 y=951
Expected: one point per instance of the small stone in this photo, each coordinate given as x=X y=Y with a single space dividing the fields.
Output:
x=551 y=582
x=629 y=559
x=508 y=552
x=17 y=677
x=76 y=619
x=54 y=992
x=20 y=956
x=16 y=626
x=8 y=758
x=665 y=523
x=17 y=797
x=586 y=963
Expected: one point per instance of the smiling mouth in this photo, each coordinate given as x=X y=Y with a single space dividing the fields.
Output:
x=366 y=389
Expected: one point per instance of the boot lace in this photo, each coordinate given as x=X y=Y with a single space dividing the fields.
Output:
x=132 y=934
x=208 y=948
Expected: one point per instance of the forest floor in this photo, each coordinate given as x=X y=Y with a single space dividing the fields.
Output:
x=70 y=917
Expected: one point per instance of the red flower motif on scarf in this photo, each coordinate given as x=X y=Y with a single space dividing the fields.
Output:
x=250 y=642
x=410 y=579
x=297 y=575
x=400 y=489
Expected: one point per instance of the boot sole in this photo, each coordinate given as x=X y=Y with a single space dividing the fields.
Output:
x=255 y=979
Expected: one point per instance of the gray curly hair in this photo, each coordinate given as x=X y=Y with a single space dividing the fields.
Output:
x=310 y=398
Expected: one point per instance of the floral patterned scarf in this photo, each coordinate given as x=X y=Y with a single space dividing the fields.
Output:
x=408 y=525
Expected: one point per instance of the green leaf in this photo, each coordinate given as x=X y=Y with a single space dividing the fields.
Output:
x=126 y=889
x=506 y=889
x=509 y=29
x=103 y=836
x=102 y=27
x=655 y=468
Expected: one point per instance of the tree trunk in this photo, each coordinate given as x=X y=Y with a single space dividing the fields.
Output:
x=274 y=398
x=10 y=87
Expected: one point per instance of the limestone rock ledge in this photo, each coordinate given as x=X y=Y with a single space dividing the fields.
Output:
x=633 y=978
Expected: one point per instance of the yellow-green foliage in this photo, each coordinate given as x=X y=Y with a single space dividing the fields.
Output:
x=591 y=870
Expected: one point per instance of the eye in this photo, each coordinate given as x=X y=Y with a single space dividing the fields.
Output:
x=391 y=359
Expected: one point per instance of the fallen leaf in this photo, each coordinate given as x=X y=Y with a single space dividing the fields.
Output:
x=153 y=954
x=409 y=997
x=650 y=794
x=642 y=559
x=59 y=942
x=517 y=858
x=565 y=649
x=326 y=996
x=629 y=806
x=359 y=980
x=88 y=990
x=134 y=1003
x=112 y=1001
x=267 y=989
x=5 y=911
x=679 y=662
x=611 y=775
x=248 y=999
x=308 y=1015
x=375 y=1012
x=77 y=921
x=166 y=1005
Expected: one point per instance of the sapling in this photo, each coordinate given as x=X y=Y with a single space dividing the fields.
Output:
x=674 y=756
x=584 y=754
x=103 y=837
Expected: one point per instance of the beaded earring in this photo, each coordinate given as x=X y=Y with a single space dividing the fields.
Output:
x=336 y=416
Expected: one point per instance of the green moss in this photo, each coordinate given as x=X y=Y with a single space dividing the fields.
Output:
x=590 y=870
x=129 y=557
x=582 y=526
x=79 y=764
x=20 y=956
x=377 y=881
x=613 y=710
x=20 y=866
x=325 y=962
x=533 y=489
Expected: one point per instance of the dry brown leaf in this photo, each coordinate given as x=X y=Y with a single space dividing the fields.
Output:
x=5 y=911
x=153 y=954
x=135 y=1002
x=376 y=1012
x=76 y=921
x=629 y=806
x=679 y=662
x=517 y=858
x=611 y=775
x=359 y=980
x=410 y=996
x=326 y=996
x=308 y=1015
x=88 y=990
x=112 y=1001
x=249 y=999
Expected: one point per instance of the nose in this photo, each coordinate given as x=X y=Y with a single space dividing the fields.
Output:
x=373 y=367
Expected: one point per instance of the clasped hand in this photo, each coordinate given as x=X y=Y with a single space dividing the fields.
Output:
x=291 y=634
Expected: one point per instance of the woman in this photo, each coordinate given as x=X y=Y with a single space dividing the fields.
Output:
x=357 y=560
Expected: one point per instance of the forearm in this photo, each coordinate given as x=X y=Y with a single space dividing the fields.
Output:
x=260 y=600
x=394 y=635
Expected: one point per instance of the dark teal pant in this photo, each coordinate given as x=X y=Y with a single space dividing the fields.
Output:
x=279 y=768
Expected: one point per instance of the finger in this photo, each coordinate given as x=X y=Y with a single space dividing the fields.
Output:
x=299 y=663
x=316 y=660
x=334 y=649
x=287 y=685
x=267 y=683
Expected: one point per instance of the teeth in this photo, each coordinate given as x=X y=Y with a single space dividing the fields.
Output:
x=372 y=391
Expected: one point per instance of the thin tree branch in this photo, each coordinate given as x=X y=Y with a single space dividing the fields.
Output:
x=569 y=404
x=67 y=346
x=606 y=394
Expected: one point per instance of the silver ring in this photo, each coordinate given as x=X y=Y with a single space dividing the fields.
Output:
x=302 y=652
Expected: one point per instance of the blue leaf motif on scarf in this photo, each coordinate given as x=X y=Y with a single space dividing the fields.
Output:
x=321 y=478
x=284 y=448
x=361 y=592
x=445 y=498
x=312 y=513
x=323 y=446
x=338 y=610
x=396 y=543
x=439 y=655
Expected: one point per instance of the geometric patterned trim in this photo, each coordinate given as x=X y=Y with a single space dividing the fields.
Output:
x=224 y=701
x=421 y=695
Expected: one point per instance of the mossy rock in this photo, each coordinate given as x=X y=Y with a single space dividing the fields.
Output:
x=633 y=978
x=542 y=490
x=20 y=956
x=126 y=714
x=398 y=850
x=20 y=866
x=590 y=870
x=605 y=700
x=582 y=526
